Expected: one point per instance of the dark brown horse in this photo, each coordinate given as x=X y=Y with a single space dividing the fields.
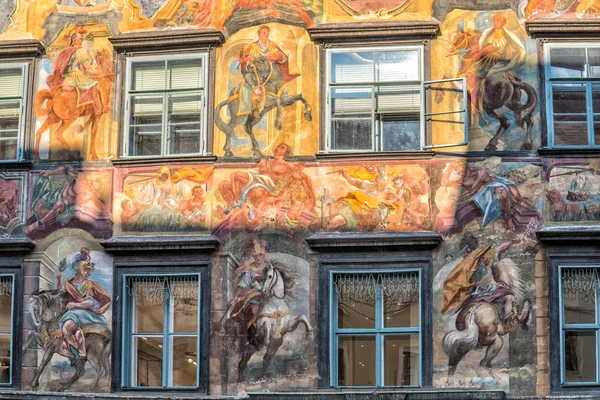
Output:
x=259 y=76
x=496 y=91
x=46 y=308
x=61 y=106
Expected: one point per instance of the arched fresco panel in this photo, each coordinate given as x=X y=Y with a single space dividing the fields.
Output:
x=68 y=346
x=74 y=97
x=261 y=95
x=497 y=58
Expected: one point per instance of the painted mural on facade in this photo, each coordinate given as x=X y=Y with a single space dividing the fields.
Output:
x=375 y=197
x=265 y=92
x=484 y=289
x=265 y=331
x=552 y=9
x=376 y=10
x=573 y=193
x=66 y=196
x=74 y=98
x=163 y=199
x=71 y=316
x=12 y=205
x=492 y=51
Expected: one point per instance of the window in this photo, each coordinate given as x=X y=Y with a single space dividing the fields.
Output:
x=165 y=111
x=161 y=344
x=378 y=100
x=6 y=328
x=573 y=95
x=580 y=325
x=13 y=87
x=376 y=328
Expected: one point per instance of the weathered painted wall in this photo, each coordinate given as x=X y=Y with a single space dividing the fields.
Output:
x=487 y=206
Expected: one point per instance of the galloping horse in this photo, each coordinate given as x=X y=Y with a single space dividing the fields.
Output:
x=46 y=308
x=61 y=106
x=496 y=91
x=260 y=76
x=274 y=321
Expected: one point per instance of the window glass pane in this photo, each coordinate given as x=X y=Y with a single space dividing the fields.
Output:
x=352 y=67
x=567 y=63
x=573 y=133
x=4 y=359
x=568 y=98
x=146 y=125
x=185 y=304
x=579 y=295
x=185 y=371
x=580 y=356
x=597 y=130
x=401 y=360
x=148 y=305
x=594 y=62
x=6 y=304
x=148 y=75
x=401 y=300
x=351 y=134
x=356 y=301
x=357 y=361
x=8 y=149
x=351 y=118
x=148 y=361
x=399 y=134
x=184 y=123
x=185 y=74
x=397 y=65
x=9 y=114
x=11 y=82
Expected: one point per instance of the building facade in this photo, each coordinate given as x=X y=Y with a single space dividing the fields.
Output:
x=302 y=199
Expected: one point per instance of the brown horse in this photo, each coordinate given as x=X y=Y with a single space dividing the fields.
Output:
x=492 y=93
x=61 y=106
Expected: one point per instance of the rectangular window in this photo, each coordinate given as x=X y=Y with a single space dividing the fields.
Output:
x=376 y=329
x=166 y=106
x=573 y=95
x=6 y=328
x=161 y=331
x=580 y=325
x=13 y=87
x=377 y=101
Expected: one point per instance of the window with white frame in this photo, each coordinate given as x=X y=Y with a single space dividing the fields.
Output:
x=378 y=100
x=161 y=328
x=13 y=87
x=375 y=328
x=165 y=105
x=6 y=328
x=573 y=95
x=580 y=325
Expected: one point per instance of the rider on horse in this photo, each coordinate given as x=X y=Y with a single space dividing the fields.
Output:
x=74 y=69
x=270 y=51
x=246 y=281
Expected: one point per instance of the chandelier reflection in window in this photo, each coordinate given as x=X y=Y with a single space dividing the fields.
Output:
x=399 y=290
x=154 y=290
x=580 y=284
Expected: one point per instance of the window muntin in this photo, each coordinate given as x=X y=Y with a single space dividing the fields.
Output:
x=13 y=89
x=573 y=95
x=376 y=328
x=166 y=106
x=580 y=325
x=377 y=100
x=6 y=328
x=161 y=331
x=374 y=99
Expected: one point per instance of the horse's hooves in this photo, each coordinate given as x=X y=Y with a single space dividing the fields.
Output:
x=490 y=147
x=228 y=153
x=308 y=116
x=278 y=125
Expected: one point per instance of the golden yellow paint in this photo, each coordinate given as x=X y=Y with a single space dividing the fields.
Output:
x=334 y=11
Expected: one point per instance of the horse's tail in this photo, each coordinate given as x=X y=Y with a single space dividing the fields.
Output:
x=40 y=98
x=105 y=357
x=527 y=109
x=458 y=343
x=219 y=121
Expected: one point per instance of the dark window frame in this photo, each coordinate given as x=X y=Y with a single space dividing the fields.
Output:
x=566 y=247
x=366 y=252
x=157 y=256
x=165 y=44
